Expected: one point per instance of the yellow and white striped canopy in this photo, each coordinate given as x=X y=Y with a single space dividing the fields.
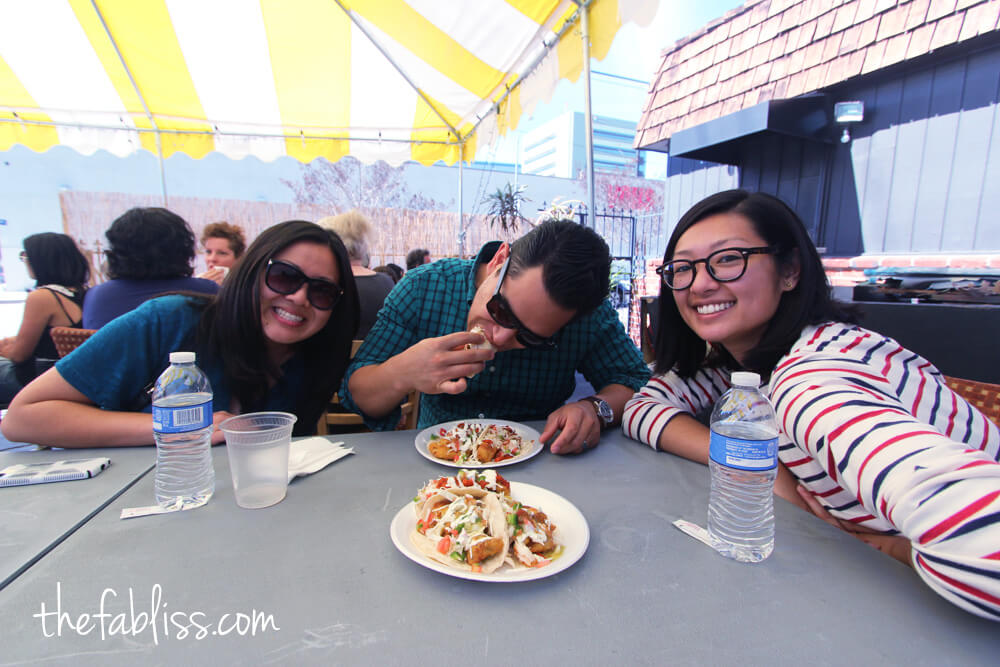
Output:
x=393 y=80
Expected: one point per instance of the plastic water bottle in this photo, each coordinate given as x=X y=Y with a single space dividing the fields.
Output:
x=743 y=459
x=182 y=427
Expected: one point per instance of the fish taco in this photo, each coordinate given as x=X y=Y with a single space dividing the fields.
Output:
x=466 y=531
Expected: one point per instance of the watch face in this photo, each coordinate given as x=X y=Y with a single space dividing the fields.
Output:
x=603 y=410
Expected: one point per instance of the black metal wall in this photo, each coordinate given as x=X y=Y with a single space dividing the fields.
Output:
x=921 y=173
x=790 y=168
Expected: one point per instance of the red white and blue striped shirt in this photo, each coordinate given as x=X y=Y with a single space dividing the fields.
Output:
x=873 y=431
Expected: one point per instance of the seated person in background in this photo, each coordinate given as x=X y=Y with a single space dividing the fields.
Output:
x=277 y=337
x=542 y=306
x=417 y=257
x=224 y=245
x=150 y=253
x=394 y=271
x=871 y=438
x=61 y=273
x=356 y=232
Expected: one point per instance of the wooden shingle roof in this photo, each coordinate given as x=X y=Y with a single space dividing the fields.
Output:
x=774 y=49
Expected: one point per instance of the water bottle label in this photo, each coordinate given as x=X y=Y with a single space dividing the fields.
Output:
x=182 y=418
x=743 y=454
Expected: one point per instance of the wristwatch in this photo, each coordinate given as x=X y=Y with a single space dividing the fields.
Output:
x=604 y=412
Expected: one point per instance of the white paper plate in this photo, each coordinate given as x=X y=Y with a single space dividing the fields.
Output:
x=527 y=434
x=571 y=530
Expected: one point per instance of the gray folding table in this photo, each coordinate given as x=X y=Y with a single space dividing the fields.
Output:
x=35 y=518
x=326 y=585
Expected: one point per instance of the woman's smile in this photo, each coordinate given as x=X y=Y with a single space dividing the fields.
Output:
x=736 y=313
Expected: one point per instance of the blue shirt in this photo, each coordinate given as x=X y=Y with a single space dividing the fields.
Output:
x=521 y=385
x=116 y=365
x=108 y=300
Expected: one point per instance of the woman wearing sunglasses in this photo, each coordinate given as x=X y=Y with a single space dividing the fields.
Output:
x=277 y=337
x=872 y=440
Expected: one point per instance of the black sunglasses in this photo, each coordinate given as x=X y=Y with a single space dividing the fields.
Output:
x=499 y=310
x=286 y=278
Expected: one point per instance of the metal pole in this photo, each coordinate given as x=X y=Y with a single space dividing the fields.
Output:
x=142 y=100
x=585 y=28
x=163 y=170
x=517 y=156
x=632 y=274
x=406 y=77
x=461 y=202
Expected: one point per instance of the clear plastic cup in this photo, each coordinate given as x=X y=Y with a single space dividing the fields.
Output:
x=258 y=444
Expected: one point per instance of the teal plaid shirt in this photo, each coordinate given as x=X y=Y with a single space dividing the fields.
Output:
x=520 y=385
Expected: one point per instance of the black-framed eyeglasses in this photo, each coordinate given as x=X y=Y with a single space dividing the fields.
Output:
x=499 y=309
x=725 y=266
x=286 y=278
x=23 y=256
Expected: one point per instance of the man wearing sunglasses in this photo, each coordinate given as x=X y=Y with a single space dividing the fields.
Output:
x=542 y=305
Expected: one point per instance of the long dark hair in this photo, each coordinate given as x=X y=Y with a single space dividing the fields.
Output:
x=56 y=260
x=679 y=348
x=231 y=329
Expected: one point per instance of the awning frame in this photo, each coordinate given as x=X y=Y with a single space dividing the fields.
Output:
x=718 y=140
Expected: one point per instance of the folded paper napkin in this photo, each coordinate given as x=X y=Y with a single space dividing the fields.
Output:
x=308 y=455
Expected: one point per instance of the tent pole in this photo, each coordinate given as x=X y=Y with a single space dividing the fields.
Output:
x=406 y=77
x=461 y=202
x=585 y=28
x=142 y=100
x=163 y=172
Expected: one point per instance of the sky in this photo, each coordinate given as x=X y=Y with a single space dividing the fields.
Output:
x=619 y=83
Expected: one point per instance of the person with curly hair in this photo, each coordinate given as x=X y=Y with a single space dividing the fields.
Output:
x=150 y=253
x=224 y=245
x=61 y=274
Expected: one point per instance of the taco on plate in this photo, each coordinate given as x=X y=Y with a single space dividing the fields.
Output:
x=462 y=483
x=466 y=530
x=477 y=442
x=531 y=535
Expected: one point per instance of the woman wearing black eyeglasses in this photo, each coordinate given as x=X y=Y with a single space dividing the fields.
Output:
x=871 y=438
x=277 y=337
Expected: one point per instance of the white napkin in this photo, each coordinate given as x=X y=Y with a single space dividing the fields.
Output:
x=308 y=455
x=305 y=457
x=695 y=531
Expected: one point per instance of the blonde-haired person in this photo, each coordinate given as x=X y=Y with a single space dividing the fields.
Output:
x=355 y=231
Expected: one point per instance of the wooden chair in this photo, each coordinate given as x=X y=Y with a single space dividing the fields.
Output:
x=68 y=339
x=353 y=423
x=983 y=395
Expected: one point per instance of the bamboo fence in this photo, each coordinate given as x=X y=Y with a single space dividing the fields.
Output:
x=86 y=216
